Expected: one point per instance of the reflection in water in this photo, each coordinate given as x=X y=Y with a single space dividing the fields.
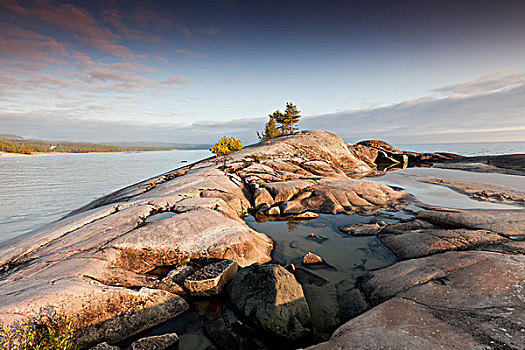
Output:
x=437 y=195
x=329 y=288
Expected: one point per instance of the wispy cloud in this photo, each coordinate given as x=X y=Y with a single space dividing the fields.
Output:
x=187 y=52
x=505 y=79
x=485 y=116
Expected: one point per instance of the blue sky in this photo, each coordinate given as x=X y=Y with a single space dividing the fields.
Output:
x=181 y=71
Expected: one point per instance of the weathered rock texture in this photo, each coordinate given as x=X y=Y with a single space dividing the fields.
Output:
x=470 y=296
x=381 y=155
x=101 y=262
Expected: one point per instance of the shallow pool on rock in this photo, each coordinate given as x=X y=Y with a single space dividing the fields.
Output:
x=329 y=287
x=213 y=323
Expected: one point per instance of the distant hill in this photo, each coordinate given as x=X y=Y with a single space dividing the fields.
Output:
x=9 y=137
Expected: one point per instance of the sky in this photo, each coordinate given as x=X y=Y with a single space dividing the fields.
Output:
x=194 y=71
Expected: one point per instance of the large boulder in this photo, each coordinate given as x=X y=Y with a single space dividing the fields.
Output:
x=271 y=297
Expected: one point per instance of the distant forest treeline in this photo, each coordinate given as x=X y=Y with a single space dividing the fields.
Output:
x=19 y=145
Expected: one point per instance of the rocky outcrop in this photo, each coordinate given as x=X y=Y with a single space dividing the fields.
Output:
x=101 y=262
x=468 y=296
x=271 y=297
x=513 y=164
x=385 y=156
x=125 y=262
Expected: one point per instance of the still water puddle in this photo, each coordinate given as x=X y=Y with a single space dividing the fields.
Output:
x=329 y=287
x=160 y=216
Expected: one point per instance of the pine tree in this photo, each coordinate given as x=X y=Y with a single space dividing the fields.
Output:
x=270 y=130
x=291 y=116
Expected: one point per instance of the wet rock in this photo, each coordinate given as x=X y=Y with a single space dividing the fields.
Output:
x=271 y=297
x=307 y=277
x=196 y=340
x=158 y=342
x=505 y=164
x=105 y=346
x=362 y=229
x=482 y=191
x=311 y=258
x=350 y=300
x=228 y=332
x=211 y=279
x=316 y=238
x=306 y=215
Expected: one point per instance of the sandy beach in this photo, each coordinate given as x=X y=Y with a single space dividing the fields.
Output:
x=12 y=155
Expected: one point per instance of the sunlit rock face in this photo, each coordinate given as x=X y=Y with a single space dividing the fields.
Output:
x=100 y=262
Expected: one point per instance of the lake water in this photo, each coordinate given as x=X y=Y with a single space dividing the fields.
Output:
x=37 y=190
x=467 y=149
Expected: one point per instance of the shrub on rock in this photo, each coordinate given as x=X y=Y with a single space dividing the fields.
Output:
x=226 y=145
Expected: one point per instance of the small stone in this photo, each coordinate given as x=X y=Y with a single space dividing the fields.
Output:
x=317 y=238
x=175 y=279
x=362 y=229
x=158 y=342
x=307 y=215
x=311 y=258
x=105 y=346
x=274 y=211
x=211 y=279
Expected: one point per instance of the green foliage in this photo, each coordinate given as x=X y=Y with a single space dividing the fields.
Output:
x=226 y=145
x=12 y=147
x=48 y=331
x=270 y=130
x=29 y=146
x=286 y=122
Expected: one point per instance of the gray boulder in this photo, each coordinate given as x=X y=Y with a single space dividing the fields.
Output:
x=271 y=297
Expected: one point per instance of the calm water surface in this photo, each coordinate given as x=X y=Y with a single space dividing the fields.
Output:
x=37 y=190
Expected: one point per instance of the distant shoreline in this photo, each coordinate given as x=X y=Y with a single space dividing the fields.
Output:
x=13 y=155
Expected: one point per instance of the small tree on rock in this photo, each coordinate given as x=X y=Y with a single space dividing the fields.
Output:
x=270 y=130
x=288 y=121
